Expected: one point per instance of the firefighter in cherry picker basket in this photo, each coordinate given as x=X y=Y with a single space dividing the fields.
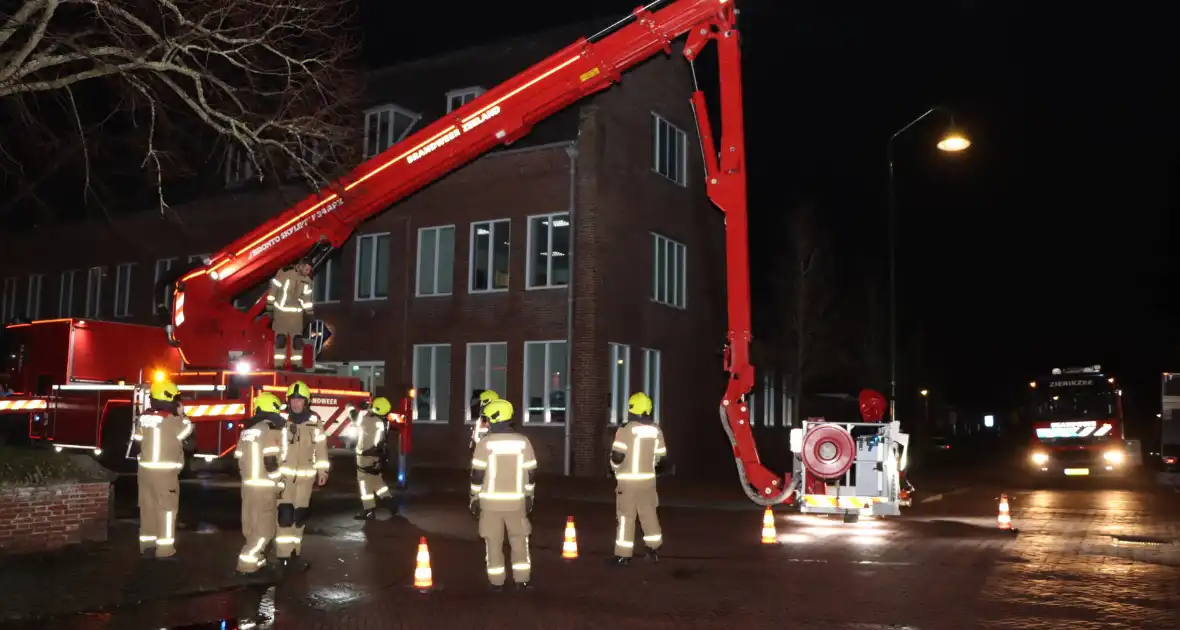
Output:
x=303 y=465
x=481 y=421
x=371 y=432
x=503 y=481
x=160 y=434
x=636 y=456
x=289 y=304
x=259 y=450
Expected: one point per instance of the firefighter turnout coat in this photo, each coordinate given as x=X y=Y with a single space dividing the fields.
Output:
x=641 y=446
x=290 y=297
x=161 y=437
x=370 y=446
x=304 y=454
x=258 y=452
x=507 y=462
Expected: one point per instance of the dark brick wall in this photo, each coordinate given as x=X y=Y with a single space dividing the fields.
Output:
x=41 y=518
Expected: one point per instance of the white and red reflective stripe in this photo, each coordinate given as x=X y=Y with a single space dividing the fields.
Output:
x=220 y=409
x=336 y=421
x=23 y=404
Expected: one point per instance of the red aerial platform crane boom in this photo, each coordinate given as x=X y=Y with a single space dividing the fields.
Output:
x=210 y=333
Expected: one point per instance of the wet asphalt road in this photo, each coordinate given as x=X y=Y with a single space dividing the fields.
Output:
x=1089 y=553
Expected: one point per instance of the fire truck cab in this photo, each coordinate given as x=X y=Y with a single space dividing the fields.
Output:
x=1077 y=421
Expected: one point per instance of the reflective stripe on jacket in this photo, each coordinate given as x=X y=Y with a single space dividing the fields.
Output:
x=642 y=446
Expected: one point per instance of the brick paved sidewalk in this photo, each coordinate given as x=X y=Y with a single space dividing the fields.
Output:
x=101 y=577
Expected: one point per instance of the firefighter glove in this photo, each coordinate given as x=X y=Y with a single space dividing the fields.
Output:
x=474 y=506
x=528 y=504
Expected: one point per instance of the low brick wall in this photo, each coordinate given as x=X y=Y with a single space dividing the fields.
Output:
x=42 y=518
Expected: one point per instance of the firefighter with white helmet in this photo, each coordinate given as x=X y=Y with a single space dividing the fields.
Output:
x=481 y=421
x=503 y=481
x=258 y=452
x=303 y=464
x=636 y=454
x=160 y=433
x=371 y=432
x=289 y=303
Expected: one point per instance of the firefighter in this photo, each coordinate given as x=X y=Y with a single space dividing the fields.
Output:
x=503 y=480
x=160 y=433
x=289 y=302
x=303 y=465
x=635 y=457
x=370 y=458
x=481 y=421
x=258 y=452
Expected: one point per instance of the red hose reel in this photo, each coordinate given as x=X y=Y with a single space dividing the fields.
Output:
x=828 y=450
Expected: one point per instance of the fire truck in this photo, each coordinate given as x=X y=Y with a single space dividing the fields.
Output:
x=223 y=350
x=1077 y=421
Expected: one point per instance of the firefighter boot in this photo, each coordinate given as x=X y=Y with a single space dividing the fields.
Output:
x=524 y=586
x=295 y=564
x=389 y=503
x=366 y=515
x=653 y=556
x=619 y=561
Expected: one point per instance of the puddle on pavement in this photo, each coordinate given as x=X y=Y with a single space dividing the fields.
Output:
x=1141 y=540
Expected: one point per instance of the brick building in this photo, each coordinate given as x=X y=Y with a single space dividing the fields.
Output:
x=580 y=264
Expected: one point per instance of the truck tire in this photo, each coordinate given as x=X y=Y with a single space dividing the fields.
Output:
x=116 y=431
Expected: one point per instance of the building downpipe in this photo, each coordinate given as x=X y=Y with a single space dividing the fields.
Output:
x=572 y=151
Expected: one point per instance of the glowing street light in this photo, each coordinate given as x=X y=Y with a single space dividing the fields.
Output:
x=953 y=141
x=925 y=392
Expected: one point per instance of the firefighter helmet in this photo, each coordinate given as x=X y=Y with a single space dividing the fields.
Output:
x=165 y=390
x=639 y=404
x=381 y=406
x=487 y=396
x=267 y=402
x=298 y=389
x=498 y=411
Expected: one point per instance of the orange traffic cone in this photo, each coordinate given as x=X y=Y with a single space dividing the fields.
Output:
x=1004 y=520
x=423 y=577
x=769 y=536
x=569 y=548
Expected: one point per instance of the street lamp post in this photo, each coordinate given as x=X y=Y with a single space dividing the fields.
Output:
x=952 y=141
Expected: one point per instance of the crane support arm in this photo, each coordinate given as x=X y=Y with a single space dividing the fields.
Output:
x=725 y=180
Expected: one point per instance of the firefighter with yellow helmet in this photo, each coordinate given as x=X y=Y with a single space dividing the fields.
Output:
x=481 y=421
x=371 y=431
x=503 y=481
x=303 y=464
x=289 y=304
x=160 y=433
x=636 y=454
x=258 y=452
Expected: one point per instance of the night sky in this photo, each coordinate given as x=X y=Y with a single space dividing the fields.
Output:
x=1046 y=244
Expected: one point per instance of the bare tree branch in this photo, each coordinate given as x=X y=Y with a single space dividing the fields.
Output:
x=270 y=77
x=806 y=288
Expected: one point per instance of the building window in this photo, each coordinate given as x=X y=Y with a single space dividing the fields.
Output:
x=487 y=368
x=325 y=285
x=652 y=381
x=8 y=302
x=238 y=167
x=546 y=381
x=490 y=241
x=65 y=294
x=671 y=156
x=372 y=267
x=436 y=260
x=432 y=379
x=385 y=126
x=548 y=247
x=669 y=263
x=370 y=373
x=94 y=291
x=163 y=267
x=123 y=290
x=459 y=98
x=620 y=382
x=33 y=303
